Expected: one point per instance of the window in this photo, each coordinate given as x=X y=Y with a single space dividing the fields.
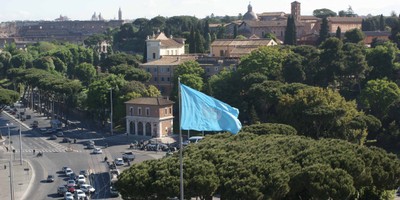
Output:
x=221 y=53
x=162 y=78
x=131 y=111
x=167 y=69
x=154 y=55
x=155 y=69
x=176 y=52
x=155 y=78
x=139 y=111
x=170 y=110
x=208 y=69
x=165 y=111
x=167 y=52
x=147 y=111
x=168 y=79
x=148 y=69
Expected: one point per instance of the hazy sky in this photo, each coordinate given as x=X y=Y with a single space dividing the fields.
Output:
x=11 y=10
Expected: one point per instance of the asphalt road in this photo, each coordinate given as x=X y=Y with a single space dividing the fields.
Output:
x=57 y=155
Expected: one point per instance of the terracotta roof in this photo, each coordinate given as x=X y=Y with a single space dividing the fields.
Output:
x=309 y=17
x=169 y=60
x=377 y=33
x=170 y=43
x=238 y=52
x=243 y=43
x=270 y=23
x=345 y=19
x=271 y=14
x=153 y=101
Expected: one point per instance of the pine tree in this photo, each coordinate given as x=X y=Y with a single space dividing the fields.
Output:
x=324 y=31
x=339 y=32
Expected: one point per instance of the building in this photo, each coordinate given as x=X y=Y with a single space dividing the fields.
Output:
x=160 y=45
x=149 y=117
x=275 y=23
x=379 y=35
x=238 y=47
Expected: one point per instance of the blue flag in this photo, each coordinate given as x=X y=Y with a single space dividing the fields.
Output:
x=201 y=112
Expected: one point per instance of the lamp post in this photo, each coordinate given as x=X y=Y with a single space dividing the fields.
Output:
x=20 y=145
x=111 y=112
x=10 y=164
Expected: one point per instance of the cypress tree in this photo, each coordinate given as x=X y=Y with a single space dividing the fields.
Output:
x=235 y=31
x=381 y=23
x=290 y=32
x=339 y=32
x=324 y=31
x=199 y=41
x=192 y=42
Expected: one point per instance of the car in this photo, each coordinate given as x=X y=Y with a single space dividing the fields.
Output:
x=50 y=178
x=119 y=161
x=71 y=189
x=128 y=156
x=59 y=134
x=64 y=168
x=66 y=140
x=49 y=131
x=79 y=194
x=89 y=142
x=68 y=196
x=35 y=124
x=81 y=179
x=28 y=116
x=84 y=172
x=53 y=137
x=87 y=188
x=72 y=176
x=91 y=146
x=71 y=183
x=61 y=190
x=43 y=130
x=192 y=140
x=68 y=171
x=97 y=151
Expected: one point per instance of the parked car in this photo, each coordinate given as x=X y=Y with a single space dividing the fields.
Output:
x=87 y=188
x=128 y=156
x=64 y=168
x=71 y=189
x=90 y=142
x=28 y=116
x=72 y=176
x=50 y=178
x=97 y=151
x=91 y=146
x=119 y=161
x=68 y=196
x=79 y=194
x=61 y=190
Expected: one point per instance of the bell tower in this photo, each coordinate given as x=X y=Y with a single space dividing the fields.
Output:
x=296 y=10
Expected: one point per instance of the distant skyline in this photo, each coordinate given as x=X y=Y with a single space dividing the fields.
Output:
x=13 y=10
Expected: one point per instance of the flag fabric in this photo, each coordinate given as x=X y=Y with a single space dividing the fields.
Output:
x=201 y=112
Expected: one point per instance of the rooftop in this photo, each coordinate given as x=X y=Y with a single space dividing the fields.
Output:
x=153 y=101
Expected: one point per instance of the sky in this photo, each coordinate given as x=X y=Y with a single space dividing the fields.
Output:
x=12 y=10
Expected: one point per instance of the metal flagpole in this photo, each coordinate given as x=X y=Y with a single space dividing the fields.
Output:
x=180 y=139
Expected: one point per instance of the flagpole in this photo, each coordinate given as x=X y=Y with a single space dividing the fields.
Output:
x=180 y=140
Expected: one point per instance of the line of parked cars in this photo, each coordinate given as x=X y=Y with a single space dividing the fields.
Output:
x=76 y=186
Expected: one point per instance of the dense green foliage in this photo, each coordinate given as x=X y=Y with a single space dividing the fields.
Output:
x=248 y=166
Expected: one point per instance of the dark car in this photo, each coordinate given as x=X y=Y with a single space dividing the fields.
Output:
x=60 y=134
x=50 y=178
x=53 y=137
x=66 y=140
x=28 y=116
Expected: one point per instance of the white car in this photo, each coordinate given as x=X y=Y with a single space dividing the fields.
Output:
x=119 y=161
x=81 y=179
x=68 y=171
x=97 y=151
x=87 y=188
x=79 y=194
x=68 y=196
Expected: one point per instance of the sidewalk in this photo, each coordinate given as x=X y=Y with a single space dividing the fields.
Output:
x=22 y=175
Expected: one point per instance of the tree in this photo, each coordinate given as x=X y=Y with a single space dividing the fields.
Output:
x=45 y=63
x=235 y=31
x=293 y=70
x=354 y=36
x=381 y=23
x=86 y=73
x=324 y=31
x=378 y=95
x=339 y=32
x=290 y=32
x=331 y=62
x=7 y=97
x=323 y=13
x=382 y=59
x=192 y=41
x=131 y=73
x=199 y=40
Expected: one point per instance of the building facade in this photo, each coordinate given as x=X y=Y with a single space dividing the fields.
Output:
x=160 y=45
x=151 y=117
x=238 y=47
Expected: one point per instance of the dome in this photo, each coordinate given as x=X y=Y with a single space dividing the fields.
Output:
x=250 y=15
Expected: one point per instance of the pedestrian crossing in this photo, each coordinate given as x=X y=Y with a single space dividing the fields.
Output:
x=41 y=144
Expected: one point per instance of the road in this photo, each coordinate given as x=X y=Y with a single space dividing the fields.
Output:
x=57 y=155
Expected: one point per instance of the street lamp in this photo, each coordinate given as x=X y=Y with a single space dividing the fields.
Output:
x=10 y=163
x=111 y=112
